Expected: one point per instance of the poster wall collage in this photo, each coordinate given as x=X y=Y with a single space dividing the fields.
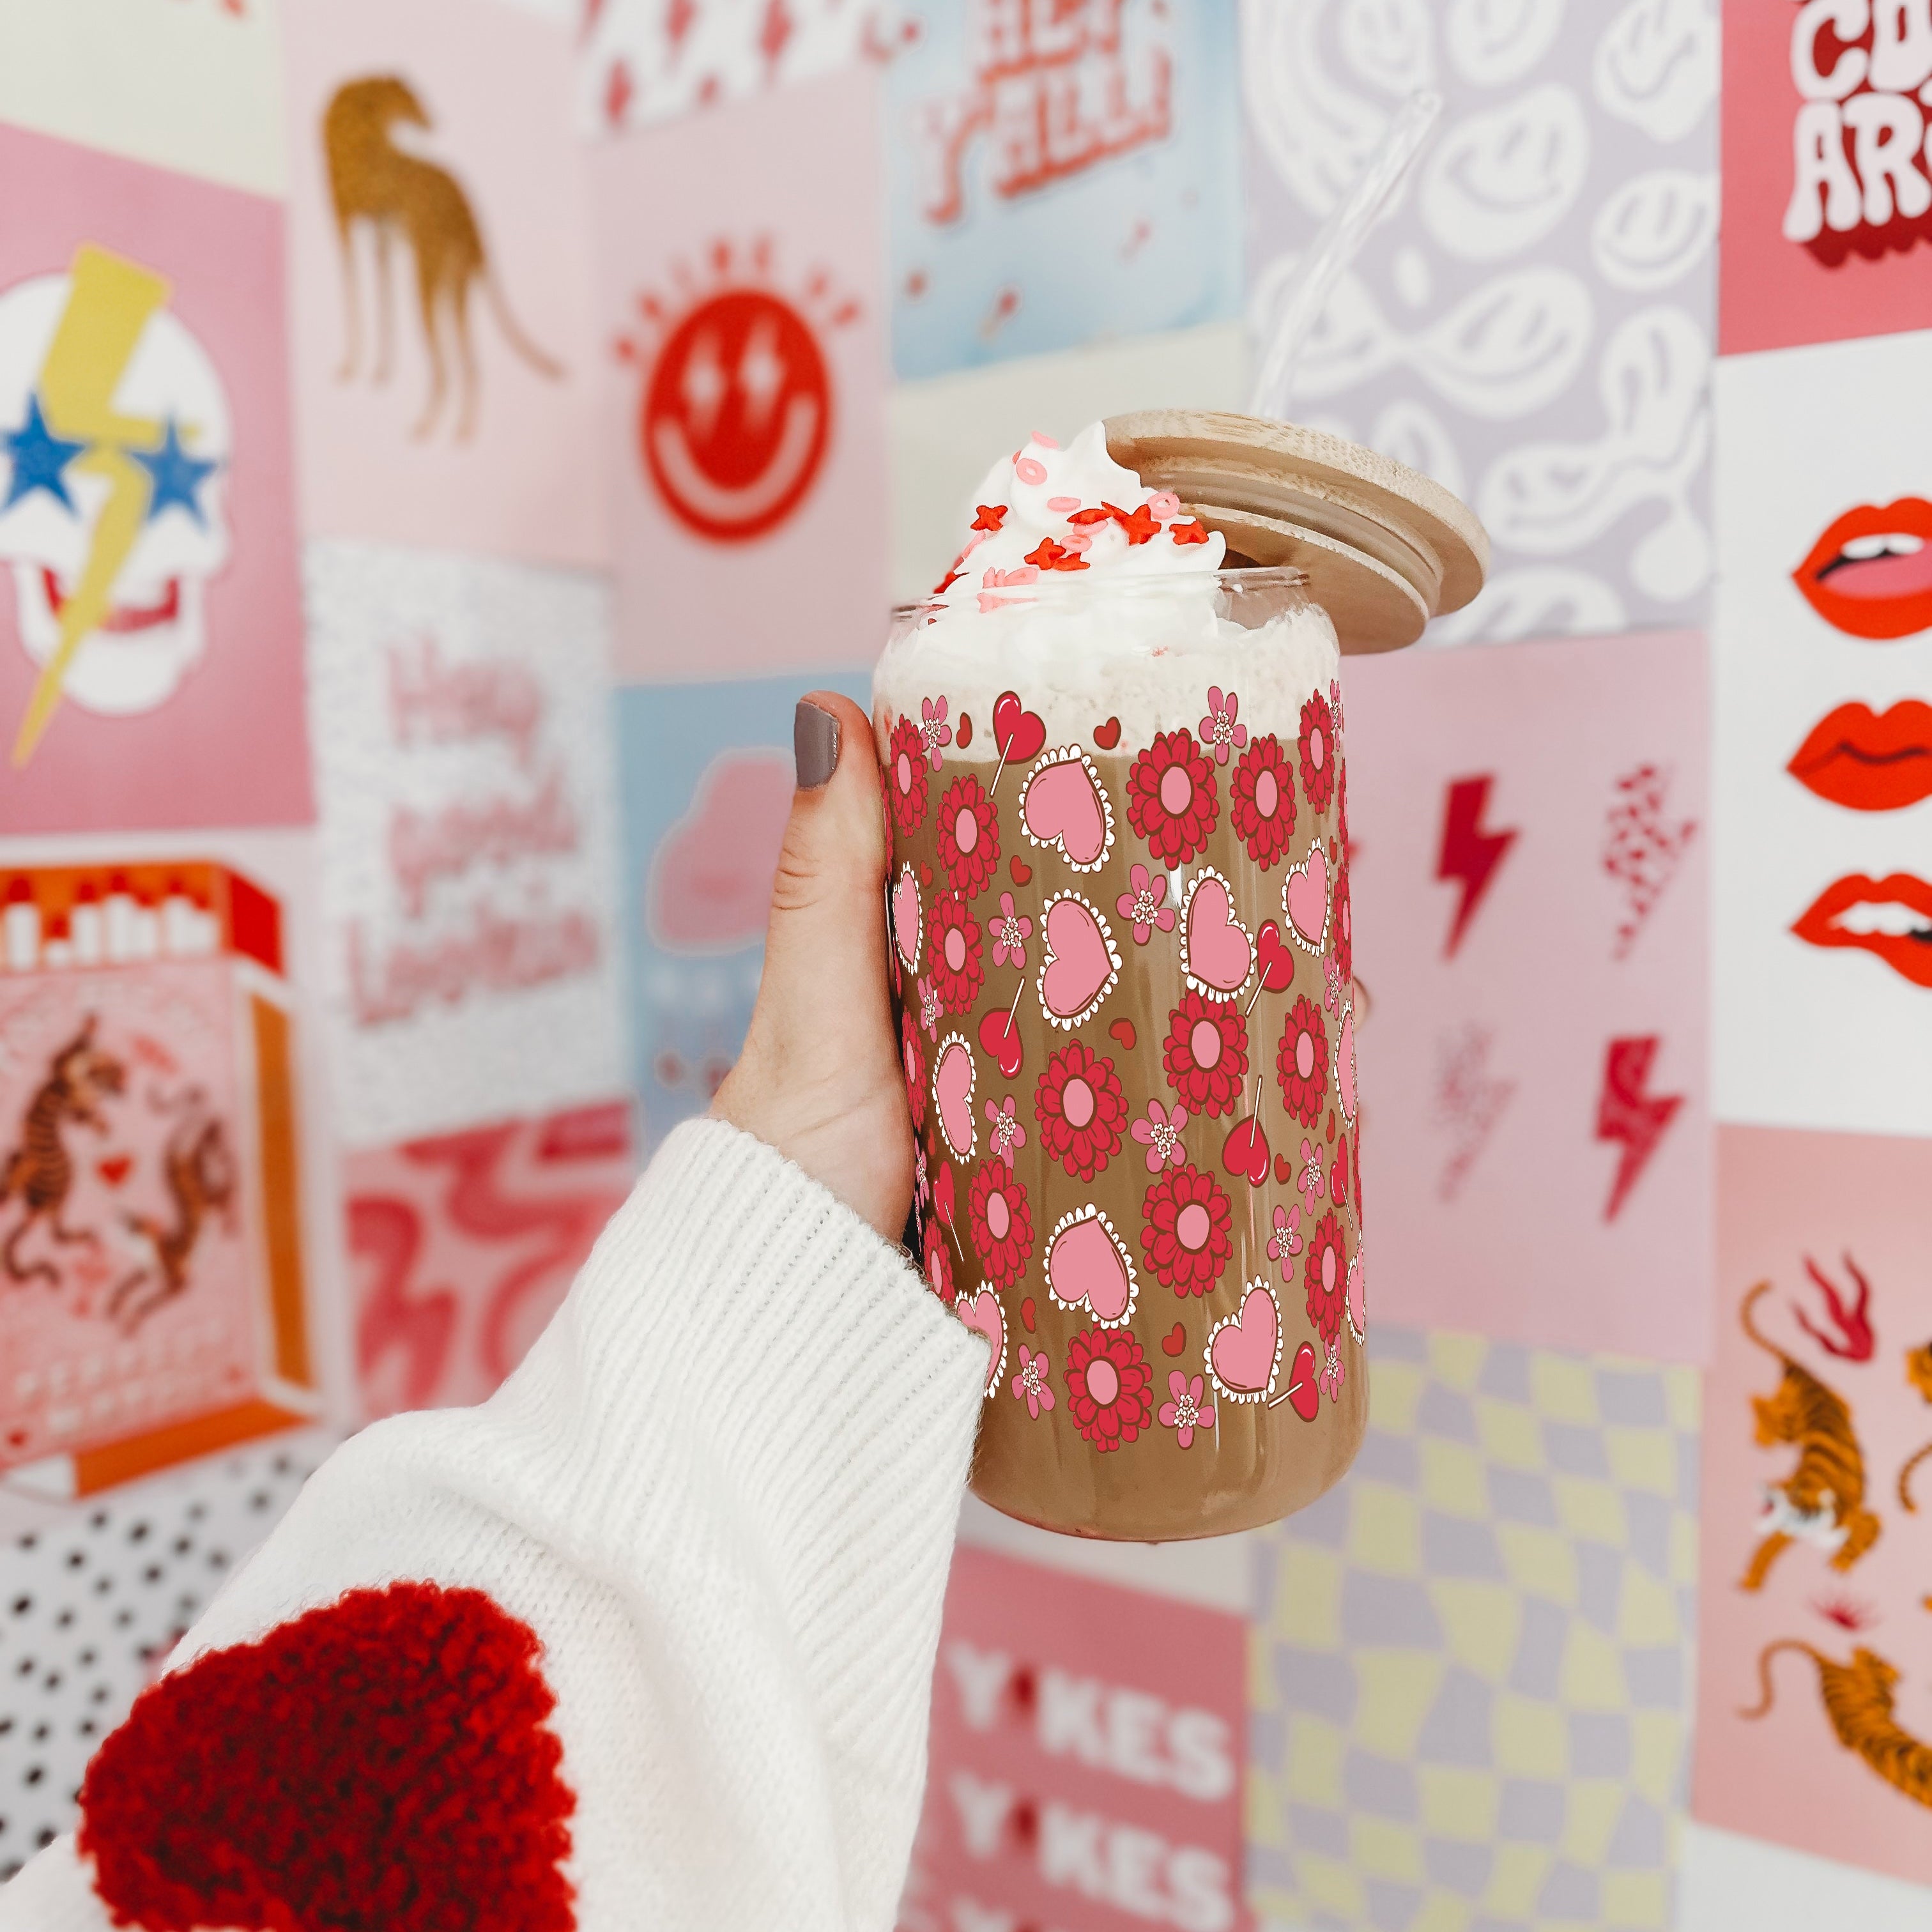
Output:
x=440 y=440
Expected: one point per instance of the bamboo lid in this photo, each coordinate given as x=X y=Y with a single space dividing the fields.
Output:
x=1385 y=548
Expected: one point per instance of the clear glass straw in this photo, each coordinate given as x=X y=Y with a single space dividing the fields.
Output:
x=1335 y=246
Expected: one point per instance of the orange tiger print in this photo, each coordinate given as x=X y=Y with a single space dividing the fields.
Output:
x=1857 y=1700
x=1919 y=1373
x=1823 y=1500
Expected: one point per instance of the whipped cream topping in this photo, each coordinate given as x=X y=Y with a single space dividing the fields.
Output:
x=1047 y=517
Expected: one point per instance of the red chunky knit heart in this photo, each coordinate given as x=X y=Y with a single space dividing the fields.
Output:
x=383 y=1762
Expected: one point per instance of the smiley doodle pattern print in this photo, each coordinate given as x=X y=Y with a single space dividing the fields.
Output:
x=1157 y=1236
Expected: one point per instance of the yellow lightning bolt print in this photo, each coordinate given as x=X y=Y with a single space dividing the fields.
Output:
x=109 y=304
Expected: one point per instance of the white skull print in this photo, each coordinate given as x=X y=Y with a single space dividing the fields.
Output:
x=154 y=631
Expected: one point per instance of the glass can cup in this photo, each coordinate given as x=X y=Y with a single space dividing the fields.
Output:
x=1122 y=957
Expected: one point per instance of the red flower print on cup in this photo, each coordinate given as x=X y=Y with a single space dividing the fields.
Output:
x=1006 y=1133
x=933 y=731
x=1172 y=801
x=957 y=972
x=1109 y=1386
x=1030 y=1385
x=905 y=776
x=1301 y=1064
x=1081 y=1110
x=1325 y=1276
x=969 y=835
x=913 y=1062
x=1186 y=1237
x=1010 y=931
x=1001 y=1223
x=1317 y=746
x=1219 y=731
x=1261 y=801
x=1159 y=1133
x=1187 y=1411
x=1207 y=1054
x=1142 y=905
x=939 y=1263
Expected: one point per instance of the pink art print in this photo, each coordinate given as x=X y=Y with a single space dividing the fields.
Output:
x=1814 y=1724
x=464 y=1244
x=150 y=617
x=746 y=442
x=1528 y=860
x=1085 y=1761
x=449 y=392
x=152 y=1302
x=1828 y=178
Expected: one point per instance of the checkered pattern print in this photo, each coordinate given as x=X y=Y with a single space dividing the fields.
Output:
x=1470 y=1666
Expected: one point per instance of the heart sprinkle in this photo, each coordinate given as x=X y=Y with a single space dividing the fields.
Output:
x=1123 y=1030
x=1284 y=1170
x=1021 y=871
x=1175 y=1339
x=1026 y=1313
x=1107 y=735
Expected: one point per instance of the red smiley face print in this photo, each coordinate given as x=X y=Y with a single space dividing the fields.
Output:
x=736 y=414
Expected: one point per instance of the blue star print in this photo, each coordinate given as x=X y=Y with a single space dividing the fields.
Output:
x=177 y=476
x=40 y=458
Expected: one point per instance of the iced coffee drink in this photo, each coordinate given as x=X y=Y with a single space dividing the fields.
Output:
x=1120 y=931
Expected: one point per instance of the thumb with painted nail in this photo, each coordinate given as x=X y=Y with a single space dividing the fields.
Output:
x=819 y=1077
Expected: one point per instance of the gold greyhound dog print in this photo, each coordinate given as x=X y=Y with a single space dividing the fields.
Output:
x=446 y=367
x=1814 y=1683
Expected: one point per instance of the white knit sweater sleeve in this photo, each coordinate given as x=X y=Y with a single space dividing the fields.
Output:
x=721 y=1491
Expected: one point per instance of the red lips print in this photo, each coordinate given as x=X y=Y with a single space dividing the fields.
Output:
x=1871 y=762
x=1889 y=918
x=391 y=1746
x=1870 y=574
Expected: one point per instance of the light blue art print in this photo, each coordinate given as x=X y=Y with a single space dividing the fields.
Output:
x=704 y=776
x=1061 y=175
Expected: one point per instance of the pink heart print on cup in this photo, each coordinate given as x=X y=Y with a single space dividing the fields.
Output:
x=1087 y=1266
x=1082 y=962
x=1345 y=1064
x=983 y=1315
x=953 y=1078
x=1304 y=898
x=1244 y=1348
x=1216 y=954
x=1063 y=805
x=908 y=919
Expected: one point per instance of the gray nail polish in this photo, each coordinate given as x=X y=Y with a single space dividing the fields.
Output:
x=814 y=744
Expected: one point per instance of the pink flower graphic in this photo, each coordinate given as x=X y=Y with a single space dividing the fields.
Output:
x=1218 y=729
x=1314 y=1182
x=1142 y=905
x=922 y=1181
x=1331 y=974
x=1286 y=1239
x=1010 y=931
x=1030 y=1385
x=1007 y=1133
x=1333 y=1374
x=1186 y=1412
x=1159 y=1133
x=930 y=1007
x=933 y=731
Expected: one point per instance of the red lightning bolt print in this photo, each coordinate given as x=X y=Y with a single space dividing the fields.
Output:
x=1626 y=1113
x=1470 y=855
